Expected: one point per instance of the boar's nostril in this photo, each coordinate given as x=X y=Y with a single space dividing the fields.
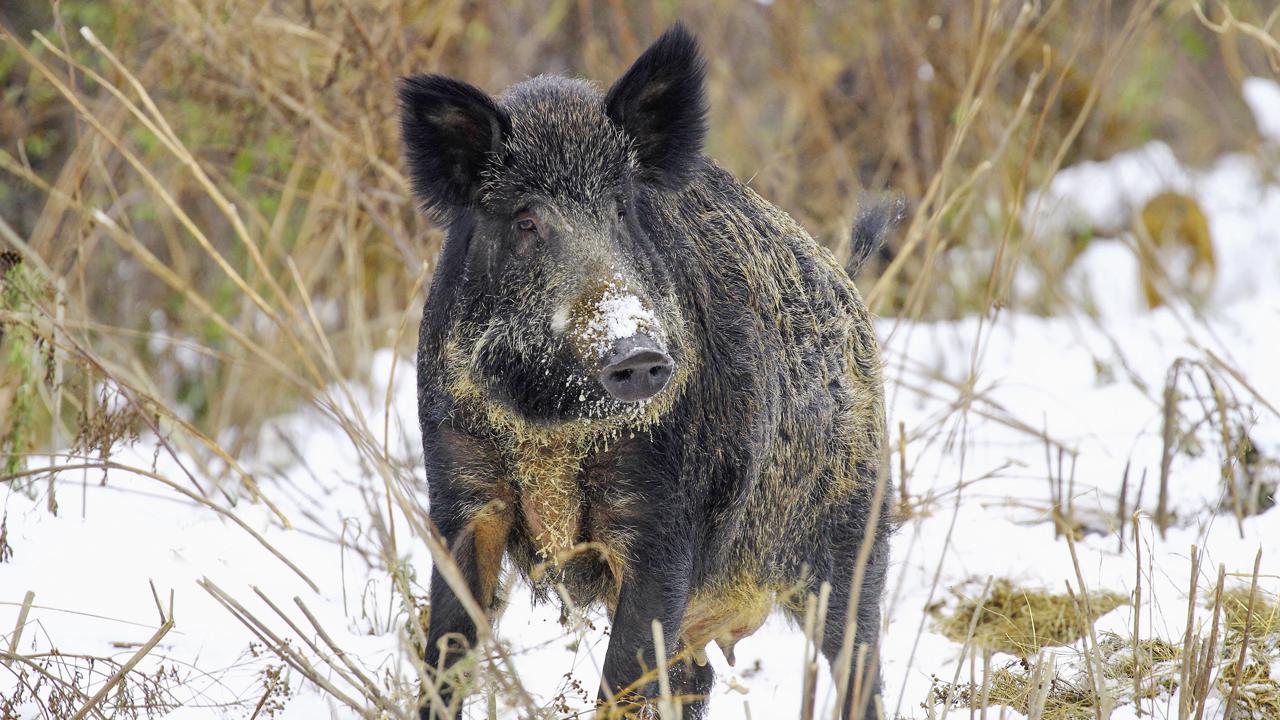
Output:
x=636 y=369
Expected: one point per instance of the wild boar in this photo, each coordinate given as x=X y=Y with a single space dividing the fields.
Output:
x=637 y=378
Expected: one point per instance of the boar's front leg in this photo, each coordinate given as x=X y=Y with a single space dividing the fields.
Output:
x=655 y=587
x=475 y=526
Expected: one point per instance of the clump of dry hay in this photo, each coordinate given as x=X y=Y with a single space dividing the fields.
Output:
x=1035 y=689
x=1257 y=692
x=1019 y=688
x=1156 y=664
x=1019 y=621
x=1264 y=630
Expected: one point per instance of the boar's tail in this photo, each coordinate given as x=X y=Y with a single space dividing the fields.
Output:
x=874 y=221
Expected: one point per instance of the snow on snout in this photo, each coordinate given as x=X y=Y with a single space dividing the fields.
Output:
x=622 y=316
x=617 y=315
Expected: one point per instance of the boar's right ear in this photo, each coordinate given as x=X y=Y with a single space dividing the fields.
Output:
x=449 y=129
x=661 y=105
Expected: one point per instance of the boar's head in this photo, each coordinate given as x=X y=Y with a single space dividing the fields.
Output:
x=569 y=296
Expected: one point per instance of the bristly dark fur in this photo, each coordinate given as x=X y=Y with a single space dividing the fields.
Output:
x=661 y=105
x=739 y=487
x=869 y=230
x=560 y=146
x=449 y=128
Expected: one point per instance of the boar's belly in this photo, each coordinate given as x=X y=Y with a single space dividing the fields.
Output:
x=725 y=616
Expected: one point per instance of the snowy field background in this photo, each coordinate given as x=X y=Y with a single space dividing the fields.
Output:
x=986 y=403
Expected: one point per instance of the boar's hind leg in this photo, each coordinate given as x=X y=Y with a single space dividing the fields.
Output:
x=477 y=546
x=655 y=588
x=838 y=568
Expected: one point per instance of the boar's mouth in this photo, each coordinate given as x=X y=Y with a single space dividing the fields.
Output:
x=542 y=385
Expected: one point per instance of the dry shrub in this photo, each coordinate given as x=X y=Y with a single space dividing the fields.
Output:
x=60 y=683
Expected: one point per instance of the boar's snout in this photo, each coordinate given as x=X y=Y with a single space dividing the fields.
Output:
x=636 y=369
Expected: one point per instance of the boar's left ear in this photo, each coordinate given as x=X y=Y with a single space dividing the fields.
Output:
x=449 y=129
x=661 y=105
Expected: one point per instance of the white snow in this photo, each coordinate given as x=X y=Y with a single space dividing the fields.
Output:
x=622 y=316
x=618 y=314
x=1093 y=387
x=1238 y=200
x=1263 y=97
x=1102 y=195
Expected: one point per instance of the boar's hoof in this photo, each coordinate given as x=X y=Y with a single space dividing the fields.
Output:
x=636 y=369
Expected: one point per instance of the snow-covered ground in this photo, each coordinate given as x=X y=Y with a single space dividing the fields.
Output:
x=985 y=404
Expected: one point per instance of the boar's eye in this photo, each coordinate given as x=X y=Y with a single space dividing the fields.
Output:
x=529 y=231
x=528 y=221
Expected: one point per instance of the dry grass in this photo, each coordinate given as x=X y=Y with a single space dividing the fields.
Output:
x=267 y=139
x=1263 y=622
x=212 y=227
x=1147 y=671
x=1251 y=618
x=1152 y=663
x=1030 y=692
x=1019 y=621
